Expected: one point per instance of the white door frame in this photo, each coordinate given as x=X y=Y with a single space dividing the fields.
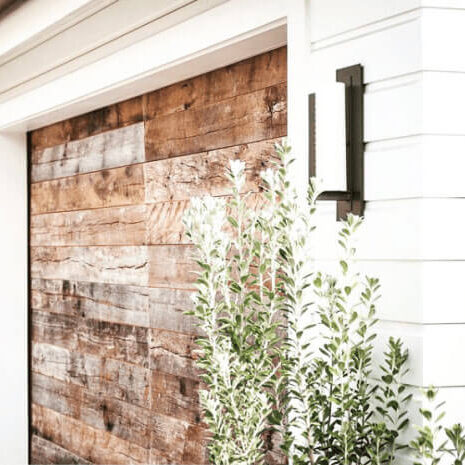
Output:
x=229 y=32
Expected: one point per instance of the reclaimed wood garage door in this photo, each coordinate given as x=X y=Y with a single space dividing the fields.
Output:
x=113 y=377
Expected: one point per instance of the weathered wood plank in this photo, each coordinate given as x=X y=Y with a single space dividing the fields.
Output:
x=120 y=147
x=172 y=266
x=57 y=395
x=55 y=328
x=113 y=265
x=167 y=307
x=103 y=226
x=113 y=340
x=186 y=444
x=176 y=396
x=117 y=303
x=181 y=178
x=243 y=119
x=104 y=119
x=164 y=223
x=65 y=365
x=106 y=188
x=124 y=420
x=173 y=353
x=126 y=382
x=92 y=444
x=239 y=78
x=45 y=452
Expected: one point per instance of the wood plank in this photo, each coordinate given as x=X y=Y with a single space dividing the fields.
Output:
x=243 y=119
x=124 y=420
x=103 y=226
x=92 y=444
x=104 y=119
x=167 y=307
x=186 y=444
x=57 y=395
x=113 y=265
x=55 y=328
x=239 y=78
x=172 y=266
x=181 y=178
x=176 y=396
x=106 y=188
x=120 y=147
x=44 y=452
x=113 y=340
x=164 y=223
x=173 y=353
x=124 y=381
x=98 y=301
x=65 y=365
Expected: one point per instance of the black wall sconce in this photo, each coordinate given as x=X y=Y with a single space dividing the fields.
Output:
x=351 y=200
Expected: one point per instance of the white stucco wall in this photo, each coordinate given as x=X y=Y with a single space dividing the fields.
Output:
x=414 y=162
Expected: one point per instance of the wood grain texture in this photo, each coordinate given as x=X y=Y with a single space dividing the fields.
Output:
x=120 y=147
x=172 y=266
x=104 y=119
x=92 y=444
x=240 y=78
x=98 y=301
x=181 y=178
x=103 y=226
x=106 y=188
x=114 y=265
x=243 y=119
x=114 y=378
x=46 y=452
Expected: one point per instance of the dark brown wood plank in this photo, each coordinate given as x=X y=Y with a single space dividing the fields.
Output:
x=98 y=121
x=113 y=265
x=181 y=178
x=106 y=188
x=45 y=452
x=92 y=444
x=120 y=147
x=239 y=78
x=243 y=119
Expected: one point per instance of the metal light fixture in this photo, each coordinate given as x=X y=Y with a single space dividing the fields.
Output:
x=351 y=200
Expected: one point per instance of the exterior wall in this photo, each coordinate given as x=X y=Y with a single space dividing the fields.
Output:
x=414 y=161
x=113 y=375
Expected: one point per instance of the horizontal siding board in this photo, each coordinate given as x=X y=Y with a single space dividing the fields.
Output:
x=164 y=223
x=173 y=353
x=121 y=419
x=105 y=119
x=62 y=397
x=247 y=118
x=98 y=301
x=239 y=78
x=111 y=149
x=106 y=188
x=92 y=444
x=44 y=451
x=167 y=308
x=172 y=266
x=113 y=265
x=202 y=174
x=102 y=226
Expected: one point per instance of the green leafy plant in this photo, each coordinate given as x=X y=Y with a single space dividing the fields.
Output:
x=288 y=347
